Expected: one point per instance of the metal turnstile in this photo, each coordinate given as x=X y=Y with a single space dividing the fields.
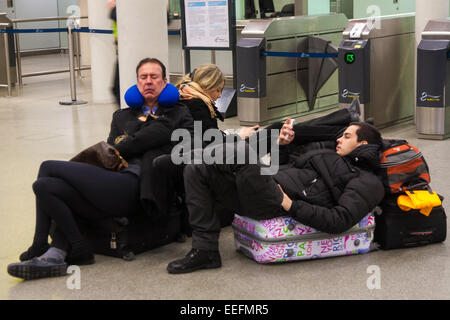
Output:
x=433 y=81
x=275 y=88
x=8 y=74
x=376 y=65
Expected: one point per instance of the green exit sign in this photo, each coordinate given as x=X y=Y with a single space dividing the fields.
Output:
x=349 y=57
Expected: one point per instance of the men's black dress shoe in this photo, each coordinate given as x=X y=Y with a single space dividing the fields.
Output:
x=34 y=251
x=196 y=259
x=37 y=268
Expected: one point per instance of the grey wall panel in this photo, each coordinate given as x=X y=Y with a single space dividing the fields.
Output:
x=27 y=9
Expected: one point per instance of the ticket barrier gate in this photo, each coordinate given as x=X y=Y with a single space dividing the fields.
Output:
x=8 y=75
x=270 y=88
x=433 y=81
x=376 y=65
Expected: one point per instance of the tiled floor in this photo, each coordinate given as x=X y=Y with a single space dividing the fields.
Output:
x=34 y=128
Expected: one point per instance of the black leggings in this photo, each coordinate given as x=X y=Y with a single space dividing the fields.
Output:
x=66 y=189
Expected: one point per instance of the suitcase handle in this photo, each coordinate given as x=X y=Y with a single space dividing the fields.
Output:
x=423 y=185
x=418 y=238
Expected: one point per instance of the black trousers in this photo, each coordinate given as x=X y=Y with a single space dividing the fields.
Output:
x=212 y=191
x=323 y=128
x=66 y=190
x=211 y=197
x=166 y=184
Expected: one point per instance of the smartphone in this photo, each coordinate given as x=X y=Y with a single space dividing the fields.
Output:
x=291 y=123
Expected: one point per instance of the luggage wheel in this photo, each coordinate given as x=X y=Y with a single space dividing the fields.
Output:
x=181 y=237
x=129 y=256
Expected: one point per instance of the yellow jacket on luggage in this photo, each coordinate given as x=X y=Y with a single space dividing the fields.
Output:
x=419 y=199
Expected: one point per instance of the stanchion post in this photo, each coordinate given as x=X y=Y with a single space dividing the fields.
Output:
x=8 y=66
x=18 y=59
x=183 y=57
x=77 y=52
x=73 y=89
x=18 y=56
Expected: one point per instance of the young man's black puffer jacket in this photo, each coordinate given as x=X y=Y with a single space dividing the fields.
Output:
x=329 y=193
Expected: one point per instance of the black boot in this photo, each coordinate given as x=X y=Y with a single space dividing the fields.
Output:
x=196 y=259
x=34 y=251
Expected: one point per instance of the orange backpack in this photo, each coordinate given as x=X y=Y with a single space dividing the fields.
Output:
x=402 y=167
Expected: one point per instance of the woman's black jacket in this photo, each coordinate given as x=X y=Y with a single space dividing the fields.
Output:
x=200 y=112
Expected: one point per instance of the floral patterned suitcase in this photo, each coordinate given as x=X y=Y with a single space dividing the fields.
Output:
x=283 y=239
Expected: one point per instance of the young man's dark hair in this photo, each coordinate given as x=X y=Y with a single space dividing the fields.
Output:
x=151 y=60
x=368 y=133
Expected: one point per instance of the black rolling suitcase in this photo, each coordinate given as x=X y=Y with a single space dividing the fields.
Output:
x=125 y=237
x=399 y=229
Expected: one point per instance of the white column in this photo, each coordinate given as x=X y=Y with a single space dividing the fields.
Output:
x=85 y=46
x=428 y=10
x=103 y=55
x=142 y=32
x=425 y=11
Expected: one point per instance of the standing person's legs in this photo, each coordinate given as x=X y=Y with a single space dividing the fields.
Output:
x=211 y=195
x=116 y=84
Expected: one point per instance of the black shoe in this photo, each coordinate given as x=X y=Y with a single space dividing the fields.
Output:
x=196 y=259
x=34 y=251
x=37 y=268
